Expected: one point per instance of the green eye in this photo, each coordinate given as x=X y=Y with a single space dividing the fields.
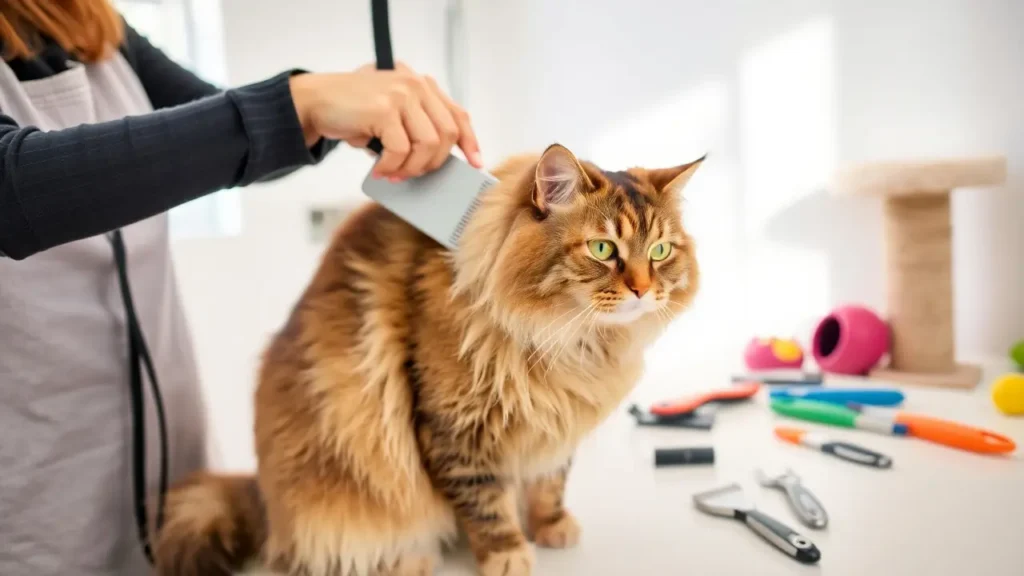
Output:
x=601 y=249
x=660 y=251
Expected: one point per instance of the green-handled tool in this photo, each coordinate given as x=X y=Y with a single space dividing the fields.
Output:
x=835 y=415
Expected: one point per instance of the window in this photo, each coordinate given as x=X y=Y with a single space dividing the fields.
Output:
x=190 y=32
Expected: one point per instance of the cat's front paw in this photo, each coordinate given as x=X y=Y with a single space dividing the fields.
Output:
x=563 y=532
x=516 y=561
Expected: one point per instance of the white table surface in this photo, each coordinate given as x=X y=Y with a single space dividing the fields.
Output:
x=937 y=511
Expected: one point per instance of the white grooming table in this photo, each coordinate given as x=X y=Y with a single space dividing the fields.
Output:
x=938 y=511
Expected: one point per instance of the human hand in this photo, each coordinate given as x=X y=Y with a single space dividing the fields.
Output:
x=415 y=121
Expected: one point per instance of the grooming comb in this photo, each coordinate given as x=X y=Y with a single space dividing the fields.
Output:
x=439 y=203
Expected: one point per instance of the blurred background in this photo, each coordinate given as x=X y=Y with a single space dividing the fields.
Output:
x=780 y=94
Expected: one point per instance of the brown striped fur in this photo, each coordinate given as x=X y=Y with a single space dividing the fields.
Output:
x=416 y=392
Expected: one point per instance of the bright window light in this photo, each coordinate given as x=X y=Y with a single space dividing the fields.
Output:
x=190 y=33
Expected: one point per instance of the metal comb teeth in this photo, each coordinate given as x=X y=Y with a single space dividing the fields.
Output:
x=461 y=226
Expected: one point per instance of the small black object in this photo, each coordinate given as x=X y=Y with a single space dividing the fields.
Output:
x=702 y=419
x=684 y=456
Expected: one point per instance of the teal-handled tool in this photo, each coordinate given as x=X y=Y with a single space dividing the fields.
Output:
x=835 y=415
x=866 y=396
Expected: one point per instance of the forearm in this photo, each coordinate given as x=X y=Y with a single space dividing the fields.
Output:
x=65 y=185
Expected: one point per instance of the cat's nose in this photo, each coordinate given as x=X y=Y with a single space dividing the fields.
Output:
x=638 y=288
x=638 y=281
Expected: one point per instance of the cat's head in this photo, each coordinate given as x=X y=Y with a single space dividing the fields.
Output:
x=560 y=235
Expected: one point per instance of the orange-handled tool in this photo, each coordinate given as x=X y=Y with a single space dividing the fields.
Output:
x=945 y=432
x=690 y=403
x=955 y=435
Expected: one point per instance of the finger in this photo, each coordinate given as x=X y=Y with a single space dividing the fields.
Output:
x=468 y=143
x=444 y=123
x=467 y=140
x=395 y=142
x=423 y=138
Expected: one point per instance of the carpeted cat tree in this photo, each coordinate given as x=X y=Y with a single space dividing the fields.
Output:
x=919 y=282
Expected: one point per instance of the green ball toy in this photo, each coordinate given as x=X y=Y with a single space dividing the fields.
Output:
x=1017 y=353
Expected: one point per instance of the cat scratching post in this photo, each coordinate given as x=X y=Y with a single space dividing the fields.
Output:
x=918 y=247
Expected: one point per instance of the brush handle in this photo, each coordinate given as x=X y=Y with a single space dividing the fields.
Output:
x=782 y=537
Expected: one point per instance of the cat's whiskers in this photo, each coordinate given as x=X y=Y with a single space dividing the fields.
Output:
x=553 y=341
x=681 y=306
x=664 y=314
x=543 y=346
x=580 y=344
x=591 y=319
x=551 y=323
x=564 y=343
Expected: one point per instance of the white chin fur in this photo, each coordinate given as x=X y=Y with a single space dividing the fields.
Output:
x=622 y=317
x=629 y=310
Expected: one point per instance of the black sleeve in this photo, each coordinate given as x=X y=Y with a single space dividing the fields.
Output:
x=66 y=185
x=167 y=84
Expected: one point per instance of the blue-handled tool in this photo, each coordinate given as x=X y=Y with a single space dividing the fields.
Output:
x=866 y=396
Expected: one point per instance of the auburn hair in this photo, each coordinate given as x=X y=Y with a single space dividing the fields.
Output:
x=87 y=29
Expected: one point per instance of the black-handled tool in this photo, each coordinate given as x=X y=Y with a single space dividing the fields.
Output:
x=382 y=48
x=845 y=450
x=730 y=502
x=781 y=536
x=857 y=454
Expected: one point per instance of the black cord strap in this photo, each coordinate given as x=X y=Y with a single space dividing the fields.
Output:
x=382 y=48
x=138 y=356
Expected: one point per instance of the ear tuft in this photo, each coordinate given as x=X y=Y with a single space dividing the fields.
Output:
x=673 y=179
x=559 y=177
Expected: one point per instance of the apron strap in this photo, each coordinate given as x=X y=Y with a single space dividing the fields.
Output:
x=138 y=355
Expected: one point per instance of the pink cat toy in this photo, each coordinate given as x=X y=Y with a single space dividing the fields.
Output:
x=850 y=340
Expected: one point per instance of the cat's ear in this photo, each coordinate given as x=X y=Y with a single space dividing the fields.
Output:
x=559 y=177
x=672 y=180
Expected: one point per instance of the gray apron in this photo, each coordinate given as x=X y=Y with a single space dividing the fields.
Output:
x=66 y=500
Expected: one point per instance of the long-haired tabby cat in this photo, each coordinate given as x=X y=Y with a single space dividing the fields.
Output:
x=417 y=393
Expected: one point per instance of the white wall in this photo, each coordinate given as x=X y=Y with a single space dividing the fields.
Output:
x=779 y=93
